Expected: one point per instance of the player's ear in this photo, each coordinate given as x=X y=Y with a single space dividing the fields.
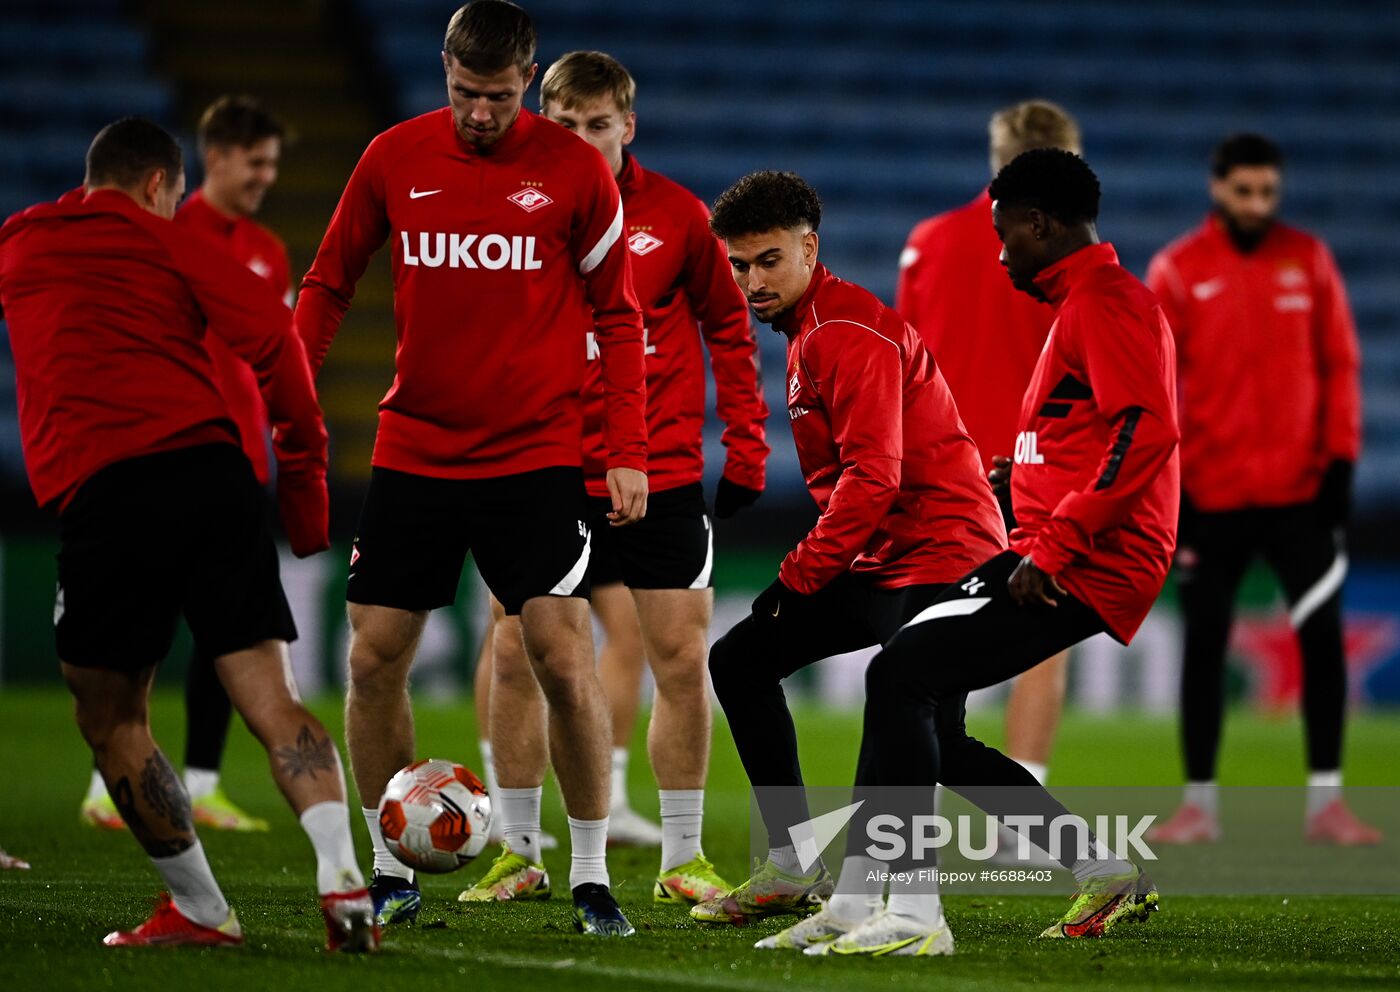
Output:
x=529 y=76
x=810 y=243
x=1041 y=224
x=150 y=188
x=446 y=63
x=630 y=128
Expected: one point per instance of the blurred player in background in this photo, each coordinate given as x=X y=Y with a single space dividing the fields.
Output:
x=127 y=436
x=241 y=144
x=650 y=581
x=986 y=337
x=1095 y=485
x=508 y=250
x=905 y=509
x=8 y=862
x=1271 y=429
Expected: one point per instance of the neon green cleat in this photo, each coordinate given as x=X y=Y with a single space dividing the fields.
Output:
x=770 y=892
x=218 y=812
x=695 y=881
x=510 y=879
x=101 y=813
x=889 y=934
x=1101 y=902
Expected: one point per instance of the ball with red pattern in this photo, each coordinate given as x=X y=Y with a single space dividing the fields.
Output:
x=435 y=816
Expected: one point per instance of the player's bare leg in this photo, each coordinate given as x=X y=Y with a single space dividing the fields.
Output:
x=1033 y=712
x=379 y=735
x=620 y=665
x=675 y=625
x=306 y=767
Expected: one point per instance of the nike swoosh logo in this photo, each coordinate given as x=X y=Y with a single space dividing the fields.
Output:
x=414 y=194
x=1206 y=290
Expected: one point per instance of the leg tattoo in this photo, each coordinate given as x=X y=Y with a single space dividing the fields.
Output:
x=309 y=755
x=165 y=809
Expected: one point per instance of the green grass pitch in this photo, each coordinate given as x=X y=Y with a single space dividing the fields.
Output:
x=85 y=883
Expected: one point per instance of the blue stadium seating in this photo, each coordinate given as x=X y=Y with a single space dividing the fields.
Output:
x=883 y=106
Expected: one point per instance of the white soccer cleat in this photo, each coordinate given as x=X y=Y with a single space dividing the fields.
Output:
x=891 y=935
x=819 y=929
x=628 y=828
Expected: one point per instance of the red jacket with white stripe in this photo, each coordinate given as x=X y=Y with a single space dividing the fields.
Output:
x=984 y=333
x=1096 y=480
x=109 y=309
x=262 y=252
x=503 y=261
x=1268 y=363
x=900 y=485
x=682 y=279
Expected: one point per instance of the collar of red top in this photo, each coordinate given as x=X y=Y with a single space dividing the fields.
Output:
x=791 y=322
x=207 y=214
x=76 y=203
x=631 y=175
x=1056 y=281
x=516 y=135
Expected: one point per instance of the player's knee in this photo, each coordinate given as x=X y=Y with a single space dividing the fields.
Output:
x=682 y=675
x=727 y=662
x=889 y=676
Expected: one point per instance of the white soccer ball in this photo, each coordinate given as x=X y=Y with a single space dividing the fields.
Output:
x=435 y=816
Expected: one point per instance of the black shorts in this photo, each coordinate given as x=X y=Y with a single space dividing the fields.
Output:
x=147 y=540
x=527 y=533
x=672 y=547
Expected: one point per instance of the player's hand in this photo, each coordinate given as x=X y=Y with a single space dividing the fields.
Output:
x=304 y=504
x=1029 y=585
x=1000 y=474
x=730 y=498
x=628 y=489
x=769 y=604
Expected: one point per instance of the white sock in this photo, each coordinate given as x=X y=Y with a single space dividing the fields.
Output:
x=1205 y=796
x=1038 y=770
x=328 y=827
x=519 y=810
x=682 y=811
x=619 y=802
x=200 y=782
x=785 y=858
x=192 y=886
x=1087 y=868
x=384 y=862
x=488 y=767
x=1323 y=788
x=97 y=788
x=917 y=899
x=589 y=840
x=858 y=895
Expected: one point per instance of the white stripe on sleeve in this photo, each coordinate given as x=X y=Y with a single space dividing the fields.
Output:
x=600 y=251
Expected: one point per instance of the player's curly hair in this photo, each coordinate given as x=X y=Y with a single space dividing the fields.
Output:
x=1052 y=180
x=766 y=201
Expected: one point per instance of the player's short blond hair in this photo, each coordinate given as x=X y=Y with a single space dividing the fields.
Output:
x=1031 y=124
x=578 y=78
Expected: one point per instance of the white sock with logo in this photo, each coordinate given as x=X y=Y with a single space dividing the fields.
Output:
x=859 y=889
x=1323 y=788
x=619 y=803
x=1205 y=796
x=201 y=782
x=682 y=811
x=589 y=841
x=192 y=886
x=916 y=899
x=384 y=862
x=327 y=826
x=519 y=810
x=785 y=859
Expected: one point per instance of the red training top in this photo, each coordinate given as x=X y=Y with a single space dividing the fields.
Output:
x=263 y=252
x=682 y=277
x=108 y=306
x=503 y=261
x=1095 y=486
x=899 y=483
x=1269 y=365
x=985 y=334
